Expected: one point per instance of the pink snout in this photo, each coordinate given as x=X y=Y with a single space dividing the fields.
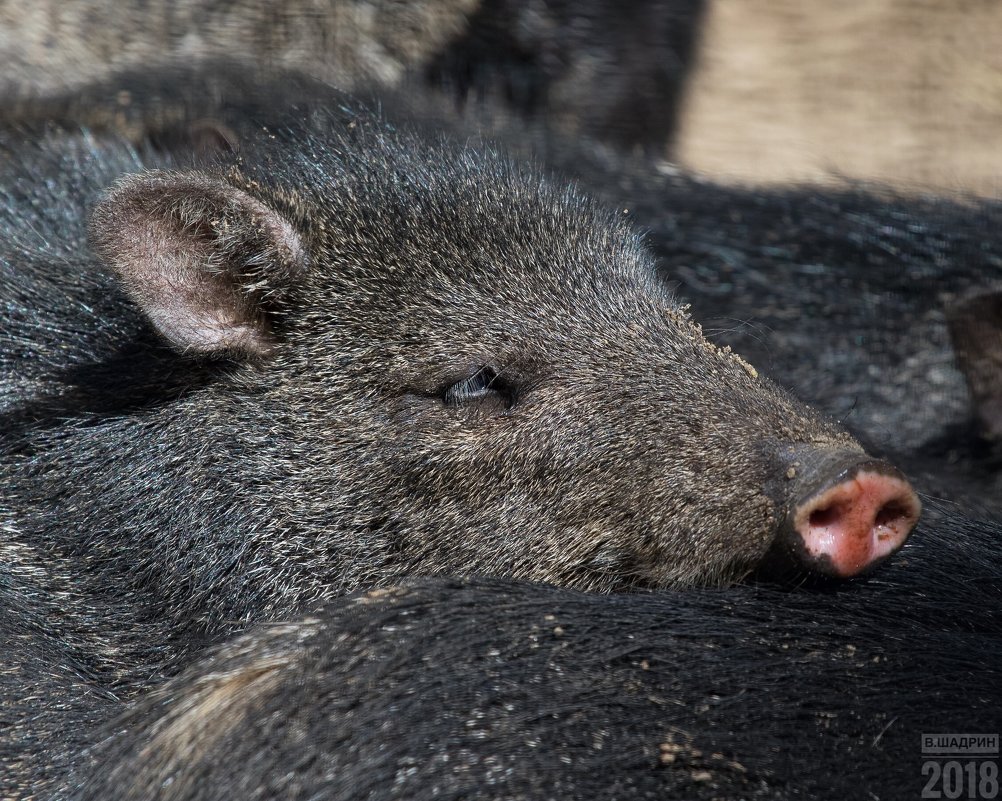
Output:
x=853 y=525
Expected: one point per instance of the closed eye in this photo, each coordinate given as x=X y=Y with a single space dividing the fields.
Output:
x=485 y=383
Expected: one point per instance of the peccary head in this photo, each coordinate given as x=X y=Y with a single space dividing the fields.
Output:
x=436 y=361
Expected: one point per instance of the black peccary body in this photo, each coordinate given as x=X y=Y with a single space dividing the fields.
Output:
x=499 y=691
x=386 y=357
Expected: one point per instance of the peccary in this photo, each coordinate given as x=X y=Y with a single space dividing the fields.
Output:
x=593 y=67
x=601 y=69
x=58 y=45
x=348 y=355
x=491 y=690
x=172 y=112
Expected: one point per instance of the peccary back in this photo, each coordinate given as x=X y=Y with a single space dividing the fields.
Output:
x=496 y=690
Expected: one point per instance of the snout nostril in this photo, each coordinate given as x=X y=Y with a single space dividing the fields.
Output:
x=891 y=515
x=824 y=517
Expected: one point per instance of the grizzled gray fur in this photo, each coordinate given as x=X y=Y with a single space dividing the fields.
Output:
x=351 y=355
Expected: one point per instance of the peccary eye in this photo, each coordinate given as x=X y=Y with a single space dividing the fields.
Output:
x=485 y=383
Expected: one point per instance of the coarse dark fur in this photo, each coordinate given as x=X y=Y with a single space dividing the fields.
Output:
x=493 y=690
x=613 y=71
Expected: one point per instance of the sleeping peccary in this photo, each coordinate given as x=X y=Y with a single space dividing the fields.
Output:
x=348 y=354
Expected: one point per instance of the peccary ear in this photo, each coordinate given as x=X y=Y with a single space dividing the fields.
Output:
x=976 y=330
x=205 y=261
